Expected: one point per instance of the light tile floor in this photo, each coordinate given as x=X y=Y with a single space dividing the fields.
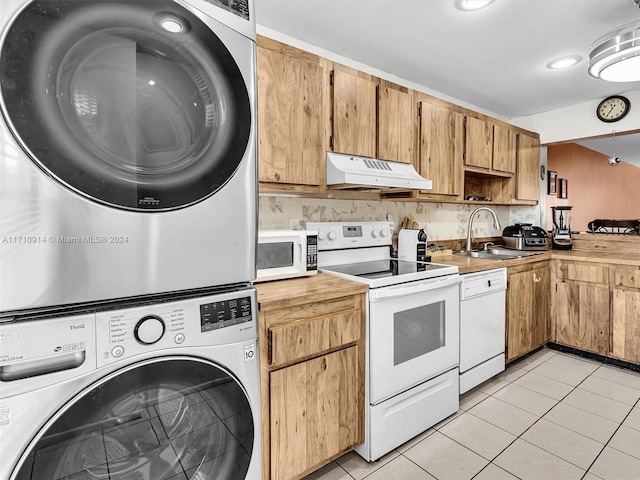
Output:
x=549 y=416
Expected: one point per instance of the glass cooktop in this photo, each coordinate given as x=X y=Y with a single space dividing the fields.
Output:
x=379 y=273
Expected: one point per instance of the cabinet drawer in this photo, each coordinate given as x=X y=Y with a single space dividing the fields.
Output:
x=627 y=277
x=583 y=272
x=313 y=336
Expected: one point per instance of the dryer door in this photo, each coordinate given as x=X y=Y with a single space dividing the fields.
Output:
x=169 y=418
x=136 y=104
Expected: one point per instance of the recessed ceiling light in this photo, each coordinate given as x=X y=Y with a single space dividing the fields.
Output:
x=564 y=62
x=473 y=4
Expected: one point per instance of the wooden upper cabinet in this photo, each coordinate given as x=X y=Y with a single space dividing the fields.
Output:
x=395 y=125
x=528 y=168
x=291 y=115
x=478 y=143
x=441 y=148
x=354 y=114
x=504 y=149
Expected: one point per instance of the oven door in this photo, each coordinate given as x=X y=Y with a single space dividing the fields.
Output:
x=414 y=331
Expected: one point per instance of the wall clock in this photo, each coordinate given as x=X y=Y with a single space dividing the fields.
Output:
x=613 y=108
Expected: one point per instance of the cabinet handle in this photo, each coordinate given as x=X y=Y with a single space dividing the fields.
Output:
x=536 y=279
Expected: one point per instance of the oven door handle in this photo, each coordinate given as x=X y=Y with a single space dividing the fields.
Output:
x=413 y=287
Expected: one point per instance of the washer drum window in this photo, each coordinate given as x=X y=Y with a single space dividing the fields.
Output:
x=160 y=419
x=134 y=104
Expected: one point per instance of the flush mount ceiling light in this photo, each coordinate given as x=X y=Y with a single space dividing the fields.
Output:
x=564 y=62
x=473 y=4
x=615 y=57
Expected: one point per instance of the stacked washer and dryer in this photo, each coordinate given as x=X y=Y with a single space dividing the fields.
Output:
x=128 y=217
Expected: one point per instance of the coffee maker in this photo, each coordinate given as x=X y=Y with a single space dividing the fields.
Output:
x=561 y=235
x=412 y=245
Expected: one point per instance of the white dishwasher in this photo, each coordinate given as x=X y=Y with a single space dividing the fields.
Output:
x=482 y=326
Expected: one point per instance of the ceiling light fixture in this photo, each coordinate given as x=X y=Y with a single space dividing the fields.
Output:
x=473 y=4
x=615 y=57
x=564 y=62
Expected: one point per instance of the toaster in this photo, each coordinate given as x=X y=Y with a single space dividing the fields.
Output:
x=524 y=236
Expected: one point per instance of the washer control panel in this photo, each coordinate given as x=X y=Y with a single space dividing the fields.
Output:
x=203 y=321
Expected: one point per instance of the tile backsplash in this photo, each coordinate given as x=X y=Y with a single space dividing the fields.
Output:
x=442 y=221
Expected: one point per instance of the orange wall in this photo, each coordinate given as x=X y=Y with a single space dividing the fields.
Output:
x=595 y=189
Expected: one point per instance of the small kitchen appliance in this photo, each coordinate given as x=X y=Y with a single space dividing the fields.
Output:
x=412 y=245
x=524 y=236
x=286 y=254
x=561 y=236
x=413 y=324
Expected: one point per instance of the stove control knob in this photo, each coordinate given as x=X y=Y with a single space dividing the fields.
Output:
x=322 y=235
x=332 y=235
x=149 y=330
x=383 y=233
x=374 y=233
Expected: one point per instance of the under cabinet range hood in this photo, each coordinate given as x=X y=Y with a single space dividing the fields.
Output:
x=362 y=173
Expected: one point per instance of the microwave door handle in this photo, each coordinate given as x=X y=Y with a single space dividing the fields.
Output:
x=298 y=259
x=415 y=287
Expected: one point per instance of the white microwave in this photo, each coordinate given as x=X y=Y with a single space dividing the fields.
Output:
x=286 y=254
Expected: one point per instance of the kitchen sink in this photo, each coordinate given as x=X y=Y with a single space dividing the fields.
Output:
x=496 y=254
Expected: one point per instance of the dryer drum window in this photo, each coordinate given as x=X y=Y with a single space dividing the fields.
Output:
x=134 y=104
x=161 y=419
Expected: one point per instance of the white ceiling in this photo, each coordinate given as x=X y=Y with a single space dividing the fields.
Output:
x=494 y=58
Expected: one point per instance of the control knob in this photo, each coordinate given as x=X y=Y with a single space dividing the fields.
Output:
x=383 y=233
x=149 y=330
x=332 y=235
x=322 y=235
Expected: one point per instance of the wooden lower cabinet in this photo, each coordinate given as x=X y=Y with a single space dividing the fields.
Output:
x=582 y=316
x=313 y=405
x=625 y=318
x=312 y=367
x=527 y=308
x=581 y=303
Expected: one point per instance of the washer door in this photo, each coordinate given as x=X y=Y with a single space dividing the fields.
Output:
x=134 y=104
x=156 y=420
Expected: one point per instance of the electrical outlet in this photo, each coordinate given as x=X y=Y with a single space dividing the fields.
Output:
x=295 y=224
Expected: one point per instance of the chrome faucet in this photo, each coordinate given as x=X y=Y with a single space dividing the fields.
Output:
x=496 y=224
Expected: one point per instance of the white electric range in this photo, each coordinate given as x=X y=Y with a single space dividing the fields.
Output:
x=413 y=324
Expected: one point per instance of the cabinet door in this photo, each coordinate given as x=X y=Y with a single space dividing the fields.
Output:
x=395 y=125
x=504 y=149
x=582 y=316
x=519 y=314
x=315 y=412
x=478 y=143
x=626 y=314
x=527 y=311
x=626 y=325
x=441 y=148
x=541 y=307
x=528 y=168
x=354 y=114
x=290 y=119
